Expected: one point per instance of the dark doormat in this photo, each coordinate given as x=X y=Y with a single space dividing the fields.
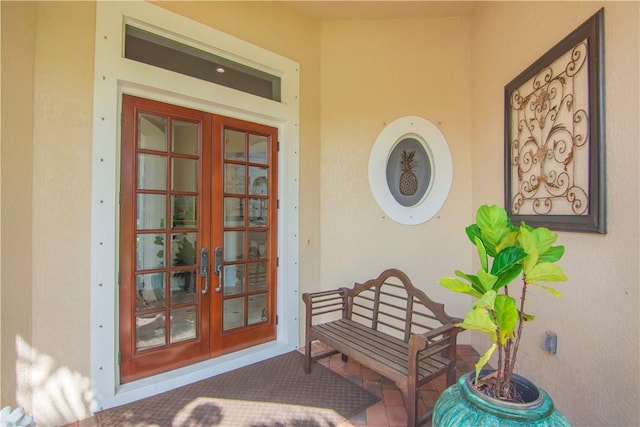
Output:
x=274 y=392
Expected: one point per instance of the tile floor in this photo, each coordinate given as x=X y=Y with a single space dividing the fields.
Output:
x=390 y=410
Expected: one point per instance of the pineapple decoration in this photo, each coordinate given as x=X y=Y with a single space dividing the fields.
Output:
x=408 y=179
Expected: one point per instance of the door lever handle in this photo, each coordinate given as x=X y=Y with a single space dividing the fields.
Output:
x=204 y=269
x=217 y=267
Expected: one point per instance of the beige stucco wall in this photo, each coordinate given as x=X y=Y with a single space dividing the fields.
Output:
x=47 y=59
x=374 y=72
x=355 y=77
x=595 y=376
x=18 y=57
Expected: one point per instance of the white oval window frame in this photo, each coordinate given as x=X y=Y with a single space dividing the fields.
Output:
x=438 y=152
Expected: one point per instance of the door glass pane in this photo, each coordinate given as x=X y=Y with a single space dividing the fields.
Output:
x=258 y=212
x=183 y=324
x=257 y=309
x=150 y=290
x=152 y=172
x=184 y=175
x=183 y=286
x=149 y=251
x=258 y=177
x=257 y=276
x=233 y=212
x=151 y=211
x=234 y=145
x=257 y=244
x=258 y=149
x=233 y=276
x=150 y=330
x=234 y=179
x=184 y=211
x=152 y=132
x=183 y=249
x=233 y=316
x=185 y=137
x=233 y=245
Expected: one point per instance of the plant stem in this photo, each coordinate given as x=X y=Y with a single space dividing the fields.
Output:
x=500 y=369
x=520 y=322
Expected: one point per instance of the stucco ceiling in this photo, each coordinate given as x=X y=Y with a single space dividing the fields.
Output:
x=361 y=10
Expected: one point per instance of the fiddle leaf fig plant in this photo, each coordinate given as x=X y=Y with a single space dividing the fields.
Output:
x=506 y=253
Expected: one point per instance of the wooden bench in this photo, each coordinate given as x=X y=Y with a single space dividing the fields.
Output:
x=388 y=326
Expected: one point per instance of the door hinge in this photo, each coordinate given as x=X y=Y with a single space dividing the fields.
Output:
x=122 y=118
x=277 y=319
x=119 y=278
x=119 y=358
x=278 y=145
x=277 y=261
x=278 y=204
x=120 y=198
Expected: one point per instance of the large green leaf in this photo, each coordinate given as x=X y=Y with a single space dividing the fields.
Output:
x=506 y=316
x=473 y=231
x=506 y=259
x=545 y=272
x=474 y=280
x=487 y=280
x=543 y=238
x=487 y=301
x=484 y=359
x=494 y=225
x=552 y=254
x=507 y=277
x=482 y=253
x=553 y=291
x=509 y=239
x=479 y=319
x=528 y=243
x=458 y=285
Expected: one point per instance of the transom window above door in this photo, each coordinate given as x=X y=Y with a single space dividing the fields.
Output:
x=153 y=49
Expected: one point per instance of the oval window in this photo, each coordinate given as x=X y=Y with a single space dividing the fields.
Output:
x=410 y=170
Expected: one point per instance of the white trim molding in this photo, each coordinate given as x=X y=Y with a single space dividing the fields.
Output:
x=115 y=76
x=438 y=177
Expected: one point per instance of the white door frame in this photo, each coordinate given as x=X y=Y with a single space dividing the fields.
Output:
x=114 y=76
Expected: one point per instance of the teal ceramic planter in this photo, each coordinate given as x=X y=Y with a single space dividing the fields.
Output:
x=463 y=405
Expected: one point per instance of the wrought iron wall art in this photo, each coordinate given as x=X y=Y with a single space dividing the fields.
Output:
x=554 y=135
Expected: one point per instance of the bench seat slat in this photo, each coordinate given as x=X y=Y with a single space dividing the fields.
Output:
x=352 y=338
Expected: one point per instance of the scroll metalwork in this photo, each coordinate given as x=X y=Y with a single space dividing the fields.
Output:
x=554 y=136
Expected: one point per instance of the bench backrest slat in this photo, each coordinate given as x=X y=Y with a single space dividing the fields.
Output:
x=391 y=304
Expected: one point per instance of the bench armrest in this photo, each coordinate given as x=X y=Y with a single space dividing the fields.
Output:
x=325 y=303
x=440 y=340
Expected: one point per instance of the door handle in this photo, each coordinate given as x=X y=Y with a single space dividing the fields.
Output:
x=204 y=269
x=217 y=267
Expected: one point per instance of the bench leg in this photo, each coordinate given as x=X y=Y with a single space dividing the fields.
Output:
x=451 y=374
x=307 y=356
x=412 y=407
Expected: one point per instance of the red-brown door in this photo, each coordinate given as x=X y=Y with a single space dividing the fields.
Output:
x=197 y=236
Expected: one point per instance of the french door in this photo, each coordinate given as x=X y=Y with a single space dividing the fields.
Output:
x=197 y=236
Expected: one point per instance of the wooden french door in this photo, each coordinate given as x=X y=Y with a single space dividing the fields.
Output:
x=198 y=252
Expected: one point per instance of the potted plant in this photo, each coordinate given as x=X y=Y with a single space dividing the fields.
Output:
x=507 y=254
